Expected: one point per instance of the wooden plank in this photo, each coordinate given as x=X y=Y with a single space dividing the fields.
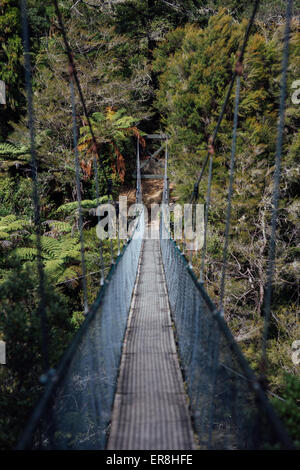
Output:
x=150 y=408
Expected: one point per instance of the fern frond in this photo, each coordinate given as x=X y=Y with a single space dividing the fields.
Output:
x=12 y=151
x=4 y=235
x=54 y=267
x=11 y=223
x=8 y=219
x=25 y=253
x=51 y=246
x=71 y=254
x=16 y=225
x=70 y=207
x=98 y=117
x=69 y=250
x=124 y=122
x=60 y=226
x=71 y=273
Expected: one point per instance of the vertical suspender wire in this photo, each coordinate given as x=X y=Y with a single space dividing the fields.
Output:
x=35 y=190
x=214 y=136
x=192 y=220
x=208 y=194
x=101 y=243
x=80 y=219
x=138 y=174
x=111 y=251
x=276 y=187
x=166 y=189
x=111 y=240
x=215 y=360
x=118 y=231
x=230 y=191
x=137 y=171
x=165 y=196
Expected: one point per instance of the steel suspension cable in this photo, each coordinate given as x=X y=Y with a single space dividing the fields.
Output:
x=276 y=183
x=73 y=72
x=74 y=75
x=35 y=186
x=78 y=190
x=228 y=94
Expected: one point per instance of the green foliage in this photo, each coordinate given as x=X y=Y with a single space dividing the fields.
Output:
x=77 y=319
x=59 y=226
x=194 y=68
x=20 y=328
x=10 y=223
x=10 y=151
x=10 y=63
x=25 y=253
x=72 y=207
x=15 y=196
x=112 y=131
x=61 y=255
x=288 y=406
x=12 y=229
x=158 y=66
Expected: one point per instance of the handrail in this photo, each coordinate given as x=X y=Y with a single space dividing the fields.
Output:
x=53 y=378
x=250 y=376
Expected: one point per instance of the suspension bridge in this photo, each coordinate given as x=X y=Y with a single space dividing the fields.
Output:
x=154 y=364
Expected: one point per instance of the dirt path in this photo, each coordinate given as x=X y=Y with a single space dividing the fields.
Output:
x=152 y=190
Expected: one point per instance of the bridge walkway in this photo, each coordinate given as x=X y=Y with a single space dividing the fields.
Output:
x=150 y=408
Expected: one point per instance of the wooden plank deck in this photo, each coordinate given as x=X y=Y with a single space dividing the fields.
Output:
x=150 y=410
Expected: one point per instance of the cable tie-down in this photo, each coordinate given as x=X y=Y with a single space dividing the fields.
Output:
x=239 y=68
x=211 y=148
x=49 y=376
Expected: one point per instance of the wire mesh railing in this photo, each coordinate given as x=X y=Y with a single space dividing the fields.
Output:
x=74 y=411
x=229 y=409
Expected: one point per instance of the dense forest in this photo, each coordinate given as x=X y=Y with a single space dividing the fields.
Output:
x=146 y=66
